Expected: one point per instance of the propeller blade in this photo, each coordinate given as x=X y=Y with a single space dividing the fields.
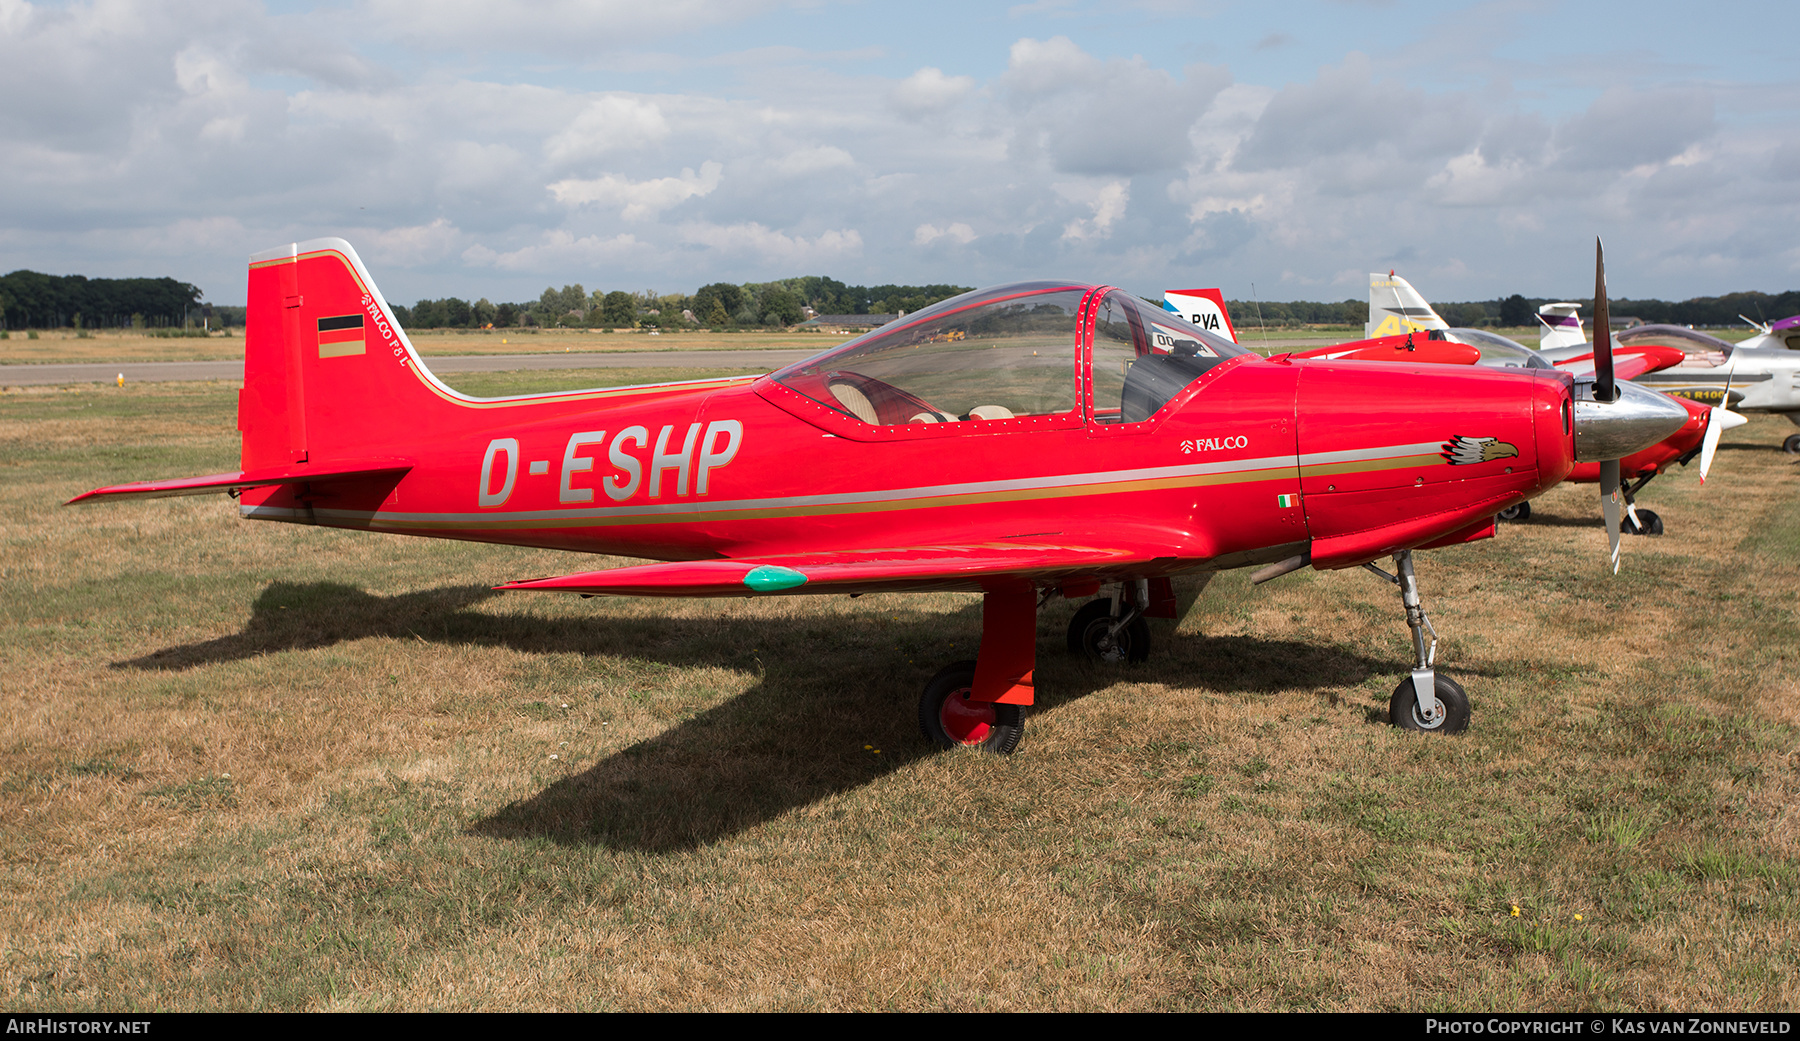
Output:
x=1603 y=357
x=1609 y=505
x=1717 y=421
x=1711 y=442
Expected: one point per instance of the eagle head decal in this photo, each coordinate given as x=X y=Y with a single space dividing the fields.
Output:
x=1466 y=451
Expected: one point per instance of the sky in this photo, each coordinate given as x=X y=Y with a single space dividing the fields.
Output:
x=1276 y=150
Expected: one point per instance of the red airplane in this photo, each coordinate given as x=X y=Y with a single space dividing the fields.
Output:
x=1025 y=441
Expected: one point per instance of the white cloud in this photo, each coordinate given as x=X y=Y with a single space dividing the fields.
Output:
x=1115 y=117
x=1108 y=202
x=774 y=246
x=929 y=92
x=557 y=251
x=552 y=26
x=640 y=200
x=607 y=125
x=959 y=233
x=805 y=161
x=414 y=245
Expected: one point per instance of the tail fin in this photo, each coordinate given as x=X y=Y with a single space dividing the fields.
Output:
x=333 y=392
x=1203 y=308
x=328 y=374
x=1561 y=326
x=1396 y=308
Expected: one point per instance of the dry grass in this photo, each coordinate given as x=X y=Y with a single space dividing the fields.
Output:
x=262 y=766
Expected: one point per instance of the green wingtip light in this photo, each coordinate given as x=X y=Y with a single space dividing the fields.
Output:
x=769 y=578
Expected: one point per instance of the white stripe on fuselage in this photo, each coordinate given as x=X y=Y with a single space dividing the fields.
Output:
x=1104 y=477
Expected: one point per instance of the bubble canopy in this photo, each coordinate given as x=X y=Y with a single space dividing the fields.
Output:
x=1010 y=353
x=1498 y=351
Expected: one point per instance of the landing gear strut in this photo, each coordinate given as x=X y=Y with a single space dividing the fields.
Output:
x=981 y=703
x=1113 y=629
x=1639 y=522
x=1427 y=700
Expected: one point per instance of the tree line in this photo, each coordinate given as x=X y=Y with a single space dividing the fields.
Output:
x=32 y=300
x=776 y=304
x=29 y=299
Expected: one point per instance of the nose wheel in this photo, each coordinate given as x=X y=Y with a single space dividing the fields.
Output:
x=1643 y=522
x=1427 y=701
x=949 y=719
x=1452 y=716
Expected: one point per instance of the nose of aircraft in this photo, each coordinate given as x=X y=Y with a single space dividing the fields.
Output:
x=1615 y=429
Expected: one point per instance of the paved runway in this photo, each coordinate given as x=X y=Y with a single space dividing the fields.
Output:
x=178 y=371
x=181 y=371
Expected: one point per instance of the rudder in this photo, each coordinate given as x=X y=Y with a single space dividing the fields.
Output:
x=1396 y=308
x=328 y=374
x=1560 y=326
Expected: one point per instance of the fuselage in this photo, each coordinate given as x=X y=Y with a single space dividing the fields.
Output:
x=1251 y=462
x=1745 y=379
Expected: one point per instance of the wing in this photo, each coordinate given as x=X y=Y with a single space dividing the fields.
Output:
x=966 y=568
x=1629 y=361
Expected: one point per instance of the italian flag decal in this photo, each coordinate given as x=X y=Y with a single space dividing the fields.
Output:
x=341 y=336
x=1284 y=501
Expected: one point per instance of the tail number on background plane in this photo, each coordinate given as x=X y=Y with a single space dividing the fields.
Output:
x=694 y=456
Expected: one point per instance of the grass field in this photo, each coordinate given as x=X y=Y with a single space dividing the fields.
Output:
x=261 y=766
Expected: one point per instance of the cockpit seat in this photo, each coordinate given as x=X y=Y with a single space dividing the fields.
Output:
x=854 y=401
x=1155 y=378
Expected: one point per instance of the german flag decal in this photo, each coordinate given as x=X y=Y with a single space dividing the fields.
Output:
x=341 y=336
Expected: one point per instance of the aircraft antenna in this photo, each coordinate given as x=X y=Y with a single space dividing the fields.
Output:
x=1259 y=320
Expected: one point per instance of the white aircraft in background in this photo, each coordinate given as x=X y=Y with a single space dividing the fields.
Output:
x=1778 y=335
x=1762 y=374
x=1396 y=308
x=1561 y=326
x=1204 y=308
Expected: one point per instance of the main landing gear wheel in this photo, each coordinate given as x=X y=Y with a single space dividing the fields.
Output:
x=1521 y=512
x=1648 y=523
x=1792 y=445
x=949 y=719
x=1403 y=707
x=1088 y=635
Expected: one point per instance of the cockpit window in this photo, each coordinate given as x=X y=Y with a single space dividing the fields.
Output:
x=999 y=353
x=1143 y=356
x=1701 y=349
x=1498 y=351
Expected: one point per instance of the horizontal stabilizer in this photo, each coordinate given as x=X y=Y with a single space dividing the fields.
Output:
x=299 y=473
x=970 y=568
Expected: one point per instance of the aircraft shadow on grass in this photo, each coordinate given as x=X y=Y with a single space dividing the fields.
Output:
x=829 y=696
